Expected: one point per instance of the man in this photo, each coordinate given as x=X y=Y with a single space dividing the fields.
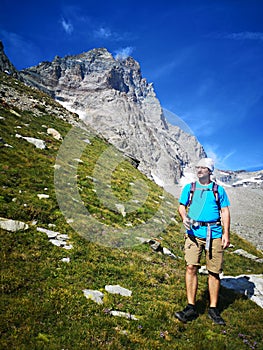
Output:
x=204 y=231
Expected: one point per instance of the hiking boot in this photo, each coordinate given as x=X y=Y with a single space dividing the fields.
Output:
x=214 y=314
x=188 y=314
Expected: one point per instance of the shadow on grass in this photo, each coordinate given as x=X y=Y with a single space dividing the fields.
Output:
x=226 y=298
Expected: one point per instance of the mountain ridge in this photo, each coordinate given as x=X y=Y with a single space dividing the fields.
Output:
x=113 y=97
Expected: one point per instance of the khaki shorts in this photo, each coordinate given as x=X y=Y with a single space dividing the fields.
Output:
x=193 y=251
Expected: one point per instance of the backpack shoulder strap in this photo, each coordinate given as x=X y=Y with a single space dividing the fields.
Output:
x=192 y=189
x=215 y=191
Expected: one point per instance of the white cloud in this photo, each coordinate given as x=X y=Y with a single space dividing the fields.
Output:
x=245 y=36
x=237 y=36
x=103 y=33
x=202 y=127
x=219 y=159
x=106 y=33
x=164 y=70
x=228 y=155
x=14 y=39
x=177 y=60
x=22 y=52
x=123 y=53
x=174 y=119
x=67 y=26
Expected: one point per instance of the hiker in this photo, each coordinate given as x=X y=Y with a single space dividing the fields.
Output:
x=203 y=204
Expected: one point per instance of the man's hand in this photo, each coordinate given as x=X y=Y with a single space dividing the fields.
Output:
x=225 y=241
x=225 y=215
x=187 y=223
x=183 y=214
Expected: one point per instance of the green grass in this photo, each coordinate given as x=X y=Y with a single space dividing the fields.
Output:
x=42 y=303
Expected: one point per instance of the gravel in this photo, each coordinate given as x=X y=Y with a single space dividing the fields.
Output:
x=246 y=213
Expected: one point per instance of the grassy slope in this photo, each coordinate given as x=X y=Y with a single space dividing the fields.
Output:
x=42 y=303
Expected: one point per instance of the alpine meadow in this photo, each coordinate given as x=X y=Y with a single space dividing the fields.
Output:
x=43 y=305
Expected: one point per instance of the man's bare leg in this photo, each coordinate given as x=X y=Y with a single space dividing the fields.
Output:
x=189 y=313
x=191 y=281
x=213 y=287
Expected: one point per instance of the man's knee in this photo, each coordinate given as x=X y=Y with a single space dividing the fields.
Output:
x=191 y=269
x=214 y=275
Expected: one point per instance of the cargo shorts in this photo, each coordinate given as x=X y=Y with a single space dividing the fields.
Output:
x=194 y=248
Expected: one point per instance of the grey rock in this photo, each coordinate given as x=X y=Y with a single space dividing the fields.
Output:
x=54 y=133
x=116 y=289
x=68 y=246
x=123 y=314
x=249 y=285
x=42 y=196
x=203 y=270
x=58 y=242
x=94 y=295
x=12 y=225
x=49 y=233
x=244 y=253
x=121 y=209
x=168 y=252
x=157 y=247
x=63 y=236
x=56 y=238
x=36 y=142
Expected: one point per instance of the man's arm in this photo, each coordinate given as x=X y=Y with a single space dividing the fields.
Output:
x=225 y=215
x=182 y=211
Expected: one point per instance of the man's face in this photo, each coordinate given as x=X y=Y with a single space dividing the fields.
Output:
x=202 y=172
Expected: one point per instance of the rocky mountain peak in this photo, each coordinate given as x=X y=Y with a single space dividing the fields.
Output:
x=95 y=53
x=112 y=96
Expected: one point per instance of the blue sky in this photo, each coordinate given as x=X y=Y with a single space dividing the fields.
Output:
x=204 y=57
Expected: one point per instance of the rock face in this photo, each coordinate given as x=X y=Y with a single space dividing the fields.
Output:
x=241 y=178
x=112 y=97
x=5 y=65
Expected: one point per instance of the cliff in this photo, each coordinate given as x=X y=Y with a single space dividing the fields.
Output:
x=112 y=96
